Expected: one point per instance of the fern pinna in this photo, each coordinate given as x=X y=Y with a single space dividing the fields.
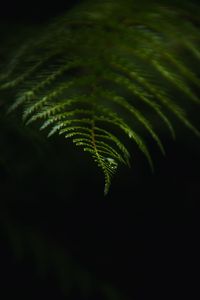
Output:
x=105 y=67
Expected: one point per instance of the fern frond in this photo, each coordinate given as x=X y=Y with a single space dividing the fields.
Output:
x=105 y=66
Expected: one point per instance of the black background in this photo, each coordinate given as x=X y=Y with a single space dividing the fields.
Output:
x=142 y=238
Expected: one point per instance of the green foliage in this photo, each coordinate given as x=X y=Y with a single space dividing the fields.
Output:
x=49 y=257
x=106 y=70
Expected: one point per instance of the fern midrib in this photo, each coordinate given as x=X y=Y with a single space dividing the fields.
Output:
x=98 y=156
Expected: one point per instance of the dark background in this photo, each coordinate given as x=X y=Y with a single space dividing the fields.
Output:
x=141 y=239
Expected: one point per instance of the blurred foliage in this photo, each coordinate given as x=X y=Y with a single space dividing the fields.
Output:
x=107 y=72
x=47 y=191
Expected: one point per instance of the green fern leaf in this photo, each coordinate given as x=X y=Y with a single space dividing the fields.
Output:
x=104 y=66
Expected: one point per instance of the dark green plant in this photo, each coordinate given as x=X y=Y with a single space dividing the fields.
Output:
x=105 y=71
x=49 y=257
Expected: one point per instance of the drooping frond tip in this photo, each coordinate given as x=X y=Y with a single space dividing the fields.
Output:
x=107 y=69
